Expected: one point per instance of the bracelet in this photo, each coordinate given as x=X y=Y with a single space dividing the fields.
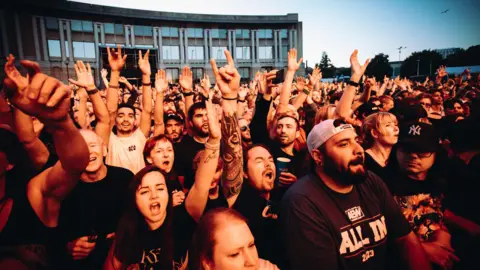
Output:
x=241 y=100
x=186 y=94
x=213 y=147
x=147 y=84
x=307 y=92
x=113 y=86
x=235 y=98
x=352 y=83
x=93 y=91
x=206 y=97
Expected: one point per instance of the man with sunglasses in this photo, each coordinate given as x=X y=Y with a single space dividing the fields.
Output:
x=419 y=190
x=245 y=133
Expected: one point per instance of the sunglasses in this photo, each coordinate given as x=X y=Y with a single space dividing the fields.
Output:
x=420 y=155
x=426 y=104
x=244 y=128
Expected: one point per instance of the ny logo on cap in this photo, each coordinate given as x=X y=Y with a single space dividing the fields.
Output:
x=415 y=130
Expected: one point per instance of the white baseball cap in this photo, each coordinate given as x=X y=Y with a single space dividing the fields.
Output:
x=323 y=131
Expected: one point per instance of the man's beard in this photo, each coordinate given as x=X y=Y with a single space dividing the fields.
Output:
x=344 y=175
x=200 y=132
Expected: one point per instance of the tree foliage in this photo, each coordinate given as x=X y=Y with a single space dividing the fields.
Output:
x=328 y=70
x=468 y=57
x=428 y=62
x=379 y=66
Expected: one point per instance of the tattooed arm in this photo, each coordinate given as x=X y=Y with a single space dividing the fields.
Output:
x=228 y=81
x=197 y=198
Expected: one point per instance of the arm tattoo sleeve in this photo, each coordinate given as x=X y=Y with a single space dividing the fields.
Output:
x=232 y=156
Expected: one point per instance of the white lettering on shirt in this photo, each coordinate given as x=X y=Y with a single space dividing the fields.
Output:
x=352 y=242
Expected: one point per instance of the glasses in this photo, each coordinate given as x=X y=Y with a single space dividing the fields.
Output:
x=428 y=105
x=244 y=128
x=419 y=155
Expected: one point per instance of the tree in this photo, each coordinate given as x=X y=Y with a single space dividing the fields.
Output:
x=469 y=57
x=379 y=67
x=328 y=70
x=428 y=63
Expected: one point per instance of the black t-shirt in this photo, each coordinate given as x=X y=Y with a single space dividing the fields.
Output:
x=94 y=209
x=220 y=201
x=262 y=218
x=185 y=152
x=329 y=230
x=385 y=173
x=421 y=202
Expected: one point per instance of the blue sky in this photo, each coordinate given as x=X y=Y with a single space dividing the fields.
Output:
x=338 y=27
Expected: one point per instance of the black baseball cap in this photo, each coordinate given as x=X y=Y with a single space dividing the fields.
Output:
x=418 y=137
x=175 y=116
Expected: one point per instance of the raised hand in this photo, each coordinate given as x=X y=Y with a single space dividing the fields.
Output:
x=227 y=77
x=104 y=73
x=122 y=79
x=205 y=83
x=357 y=69
x=143 y=63
x=84 y=76
x=300 y=83
x=115 y=58
x=293 y=65
x=315 y=77
x=186 y=79
x=37 y=95
x=161 y=84
x=242 y=93
x=441 y=71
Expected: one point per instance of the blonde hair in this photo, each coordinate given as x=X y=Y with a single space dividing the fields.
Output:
x=324 y=113
x=374 y=122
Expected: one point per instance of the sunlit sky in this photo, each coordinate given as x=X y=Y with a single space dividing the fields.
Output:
x=338 y=27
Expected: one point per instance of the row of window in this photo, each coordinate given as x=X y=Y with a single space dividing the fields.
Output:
x=141 y=30
x=197 y=73
x=87 y=50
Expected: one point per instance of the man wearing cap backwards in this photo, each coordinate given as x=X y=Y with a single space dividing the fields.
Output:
x=174 y=124
x=419 y=190
x=340 y=216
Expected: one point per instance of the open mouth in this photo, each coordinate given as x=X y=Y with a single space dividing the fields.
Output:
x=93 y=159
x=166 y=163
x=268 y=174
x=155 y=208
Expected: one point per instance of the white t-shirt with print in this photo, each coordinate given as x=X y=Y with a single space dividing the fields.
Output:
x=127 y=152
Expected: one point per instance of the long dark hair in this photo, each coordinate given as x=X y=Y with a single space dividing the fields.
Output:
x=203 y=241
x=132 y=230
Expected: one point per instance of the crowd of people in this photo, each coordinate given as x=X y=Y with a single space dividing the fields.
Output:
x=280 y=173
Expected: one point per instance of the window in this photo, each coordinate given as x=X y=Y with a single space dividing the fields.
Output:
x=172 y=74
x=81 y=26
x=83 y=49
x=54 y=49
x=244 y=72
x=265 y=33
x=219 y=33
x=169 y=32
x=143 y=30
x=242 y=33
x=283 y=33
x=195 y=53
x=218 y=53
x=265 y=52
x=109 y=28
x=171 y=53
x=67 y=49
x=284 y=52
x=242 y=53
x=197 y=74
x=119 y=29
x=195 y=32
x=51 y=23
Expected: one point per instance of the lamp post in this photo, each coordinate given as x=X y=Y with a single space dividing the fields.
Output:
x=418 y=67
x=400 y=52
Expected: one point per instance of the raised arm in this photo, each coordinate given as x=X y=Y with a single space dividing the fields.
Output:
x=86 y=81
x=293 y=66
x=49 y=100
x=197 y=198
x=104 y=74
x=116 y=61
x=36 y=150
x=344 y=106
x=228 y=81
x=186 y=82
x=126 y=82
x=161 y=86
x=146 y=116
x=242 y=103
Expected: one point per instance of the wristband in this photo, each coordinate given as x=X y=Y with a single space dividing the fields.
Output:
x=113 y=86
x=352 y=83
x=93 y=91
x=241 y=100
x=213 y=147
x=306 y=92
x=235 y=98
x=147 y=84
x=186 y=94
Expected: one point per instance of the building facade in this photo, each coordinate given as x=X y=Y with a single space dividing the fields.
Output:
x=446 y=52
x=58 y=33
